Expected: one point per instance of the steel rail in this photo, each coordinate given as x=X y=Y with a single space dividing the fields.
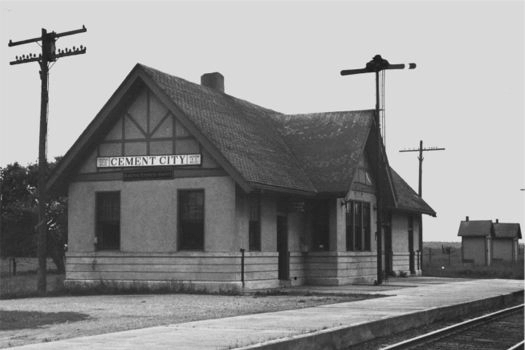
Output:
x=517 y=346
x=443 y=332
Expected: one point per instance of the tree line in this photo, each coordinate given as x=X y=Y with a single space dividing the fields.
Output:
x=19 y=214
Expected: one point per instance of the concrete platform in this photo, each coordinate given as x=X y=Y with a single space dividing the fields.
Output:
x=408 y=303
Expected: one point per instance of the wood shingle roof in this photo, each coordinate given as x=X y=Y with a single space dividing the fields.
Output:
x=260 y=148
x=507 y=230
x=475 y=228
x=407 y=198
x=328 y=145
x=243 y=132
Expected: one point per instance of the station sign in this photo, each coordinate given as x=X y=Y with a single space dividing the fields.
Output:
x=149 y=161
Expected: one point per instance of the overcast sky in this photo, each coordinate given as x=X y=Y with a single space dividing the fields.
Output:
x=467 y=93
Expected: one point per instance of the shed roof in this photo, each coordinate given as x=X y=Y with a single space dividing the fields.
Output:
x=475 y=228
x=407 y=198
x=507 y=230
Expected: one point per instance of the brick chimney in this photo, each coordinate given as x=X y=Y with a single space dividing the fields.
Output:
x=466 y=218
x=213 y=80
x=497 y=221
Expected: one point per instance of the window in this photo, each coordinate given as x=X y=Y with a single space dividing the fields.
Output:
x=107 y=221
x=254 y=235
x=358 y=226
x=366 y=225
x=191 y=219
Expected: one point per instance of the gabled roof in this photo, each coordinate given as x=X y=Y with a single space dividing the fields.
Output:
x=407 y=198
x=476 y=228
x=238 y=134
x=259 y=148
x=240 y=130
x=507 y=230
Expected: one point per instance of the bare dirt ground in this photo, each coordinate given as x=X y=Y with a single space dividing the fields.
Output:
x=34 y=320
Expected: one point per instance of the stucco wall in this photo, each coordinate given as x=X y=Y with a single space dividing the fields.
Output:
x=149 y=214
x=502 y=249
x=242 y=218
x=400 y=233
x=296 y=235
x=474 y=249
x=268 y=224
x=400 y=242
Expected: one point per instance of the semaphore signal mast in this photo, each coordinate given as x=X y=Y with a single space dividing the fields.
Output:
x=379 y=65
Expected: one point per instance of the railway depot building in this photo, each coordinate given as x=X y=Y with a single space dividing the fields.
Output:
x=178 y=185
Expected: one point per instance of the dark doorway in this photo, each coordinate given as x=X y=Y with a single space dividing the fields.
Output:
x=282 y=247
x=411 y=244
x=321 y=225
x=389 y=254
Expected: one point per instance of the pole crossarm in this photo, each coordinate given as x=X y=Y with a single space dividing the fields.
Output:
x=51 y=34
x=420 y=150
x=49 y=52
x=61 y=53
x=424 y=149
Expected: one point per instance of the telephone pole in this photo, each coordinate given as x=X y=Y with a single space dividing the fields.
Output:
x=48 y=55
x=421 y=149
x=377 y=65
x=420 y=158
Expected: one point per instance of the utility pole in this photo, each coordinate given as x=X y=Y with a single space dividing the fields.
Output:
x=377 y=65
x=421 y=149
x=420 y=158
x=48 y=55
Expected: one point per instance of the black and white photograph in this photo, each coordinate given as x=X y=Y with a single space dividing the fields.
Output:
x=262 y=174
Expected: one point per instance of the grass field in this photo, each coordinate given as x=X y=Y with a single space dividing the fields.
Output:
x=438 y=262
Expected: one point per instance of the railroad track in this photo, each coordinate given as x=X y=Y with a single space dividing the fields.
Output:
x=498 y=330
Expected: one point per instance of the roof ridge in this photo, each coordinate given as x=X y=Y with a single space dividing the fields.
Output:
x=329 y=112
x=207 y=88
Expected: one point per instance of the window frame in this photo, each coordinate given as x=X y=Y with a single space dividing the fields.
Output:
x=99 y=236
x=180 y=234
x=355 y=215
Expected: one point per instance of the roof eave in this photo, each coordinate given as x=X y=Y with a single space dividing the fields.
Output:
x=417 y=211
x=279 y=189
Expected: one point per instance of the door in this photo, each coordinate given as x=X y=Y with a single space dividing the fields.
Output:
x=388 y=249
x=411 y=244
x=282 y=247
